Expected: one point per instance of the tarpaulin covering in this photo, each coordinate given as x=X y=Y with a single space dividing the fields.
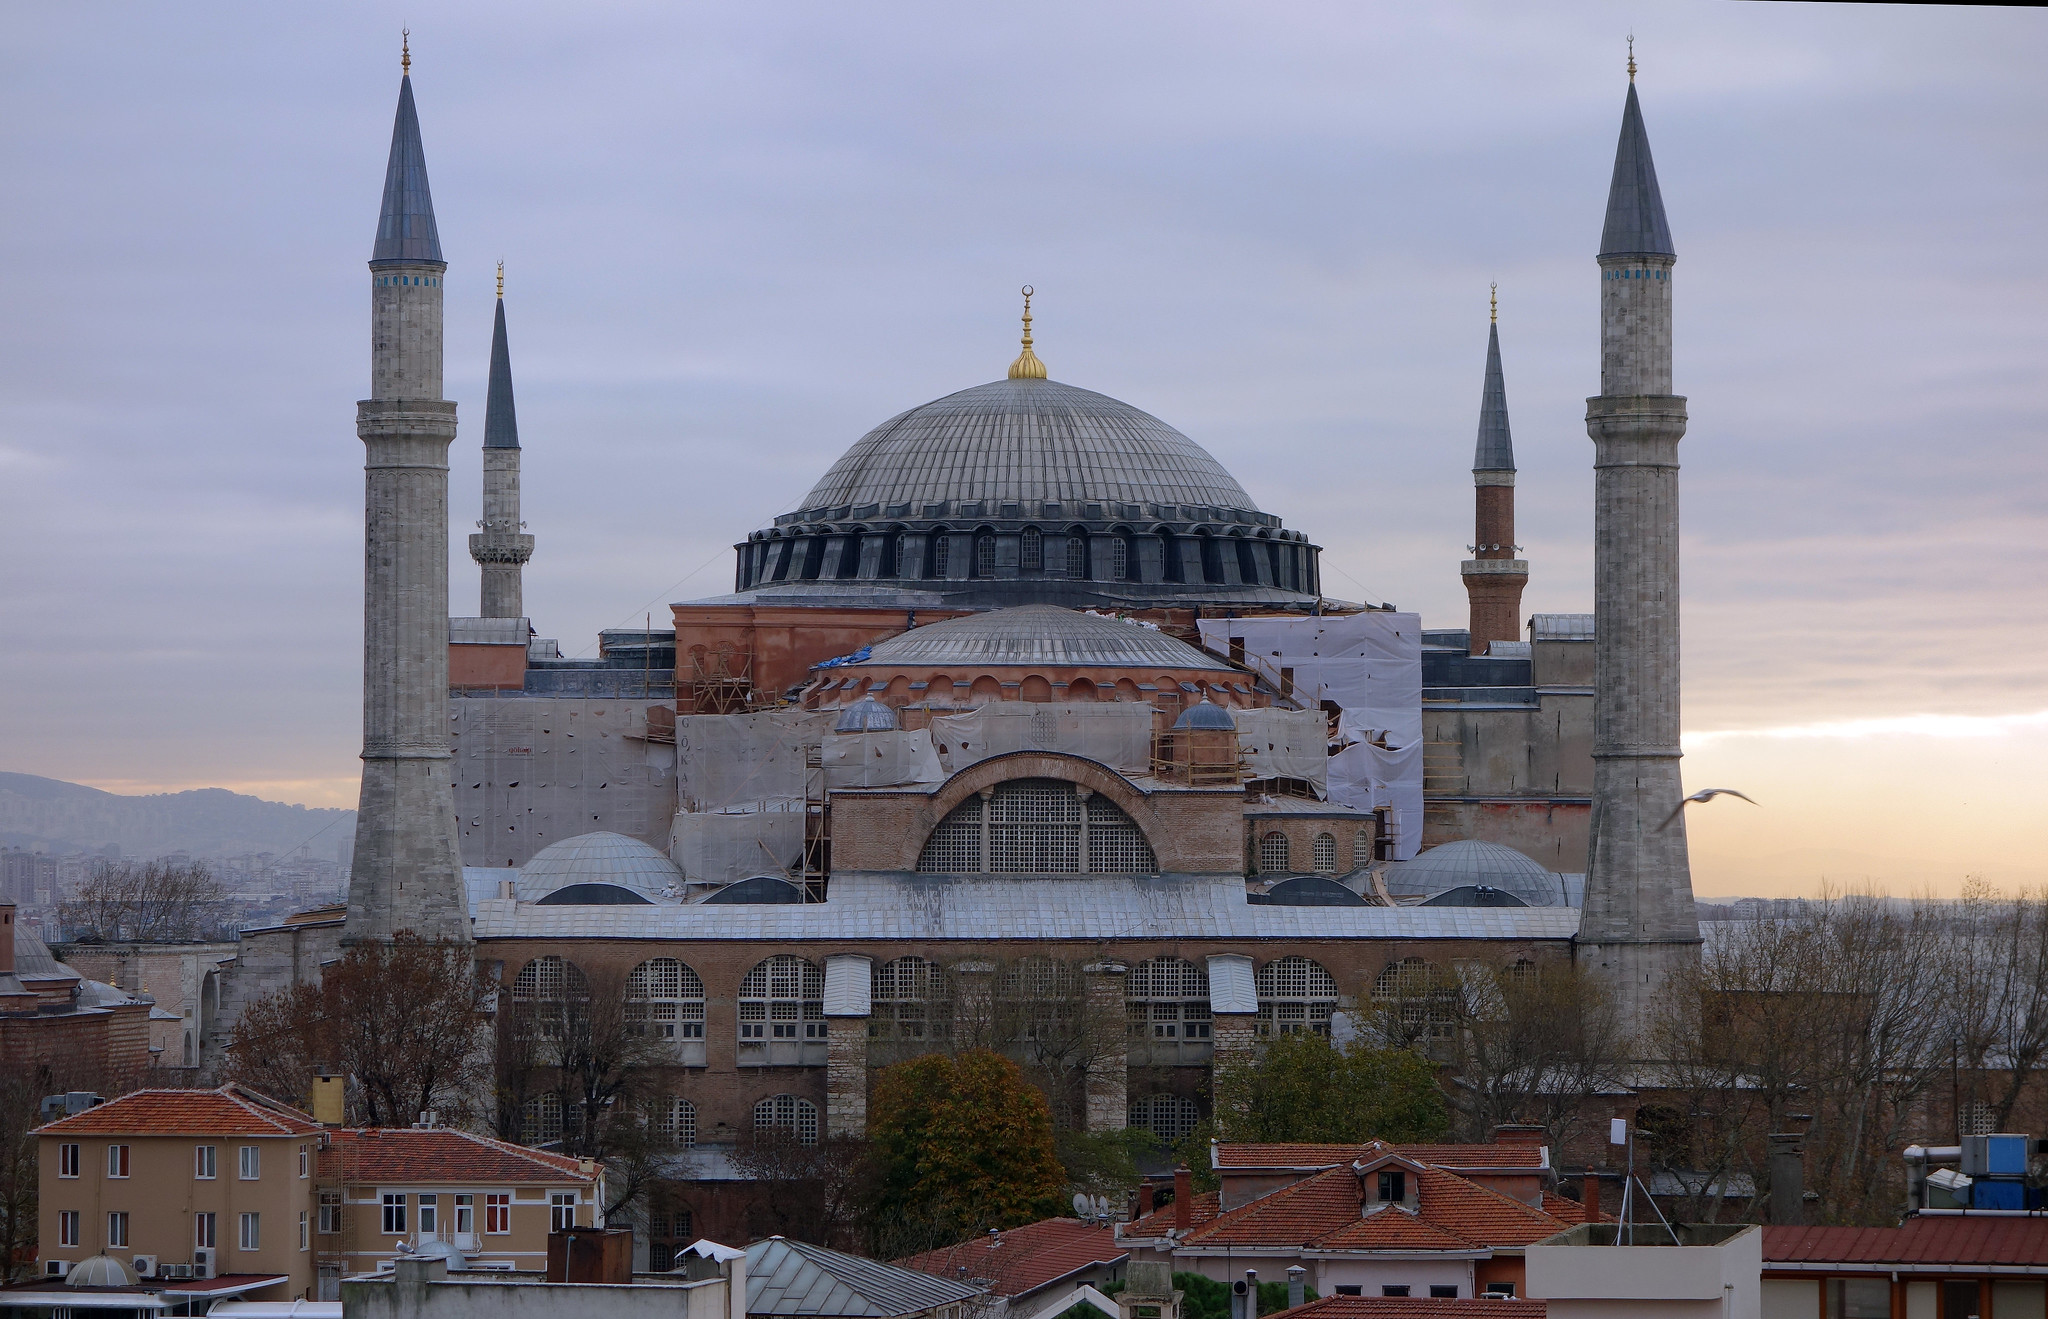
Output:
x=1285 y=744
x=881 y=760
x=1114 y=733
x=716 y=847
x=1368 y=776
x=746 y=760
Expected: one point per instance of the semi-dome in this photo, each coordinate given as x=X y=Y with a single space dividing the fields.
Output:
x=1470 y=863
x=1036 y=635
x=1026 y=441
x=601 y=858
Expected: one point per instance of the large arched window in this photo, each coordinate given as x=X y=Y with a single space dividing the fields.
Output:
x=1119 y=559
x=985 y=554
x=1031 y=550
x=912 y=1002
x=1273 y=853
x=1361 y=847
x=1417 y=999
x=675 y=1121
x=788 y=1113
x=782 y=1012
x=1167 y=1000
x=1040 y=999
x=1326 y=854
x=1169 y=1117
x=940 y=554
x=1295 y=994
x=548 y=995
x=665 y=1001
x=1037 y=827
x=1077 y=553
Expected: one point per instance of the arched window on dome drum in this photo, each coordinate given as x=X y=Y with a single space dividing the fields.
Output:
x=892 y=548
x=1031 y=550
x=675 y=1121
x=1361 y=848
x=1247 y=561
x=941 y=551
x=1326 y=854
x=814 y=557
x=1295 y=994
x=985 y=554
x=1166 y=1001
x=1212 y=560
x=782 y=1013
x=1077 y=554
x=1037 y=827
x=799 y=1117
x=850 y=551
x=912 y=1003
x=1169 y=1117
x=1273 y=853
x=1119 y=560
x=665 y=1001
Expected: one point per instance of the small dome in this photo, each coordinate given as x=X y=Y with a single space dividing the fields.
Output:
x=1308 y=891
x=100 y=1271
x=867 y=715
x=1037 y=635
x=599 y=858
x=1206 y=716
x=1470 y=862
x=1474 y=895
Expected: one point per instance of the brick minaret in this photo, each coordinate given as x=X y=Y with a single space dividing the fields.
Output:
x=502 y=547
x=407 y=872
x=1639 y=925
x=1494 y=577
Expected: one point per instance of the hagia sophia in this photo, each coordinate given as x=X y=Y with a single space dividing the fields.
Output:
x=1027 y=706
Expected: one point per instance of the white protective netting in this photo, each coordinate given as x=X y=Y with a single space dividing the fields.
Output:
x=1285 y=744
x=1113 y=733
x=746 y=761
x=881 y=760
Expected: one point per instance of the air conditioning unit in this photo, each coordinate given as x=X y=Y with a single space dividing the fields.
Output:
x=56 y=1268
x=202 y=1262
x=145 y=1266
x=177 y=1270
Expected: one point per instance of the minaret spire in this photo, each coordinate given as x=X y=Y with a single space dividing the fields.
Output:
x=1639 y=928
x=501 y=547
x=406 y=874
x=1494 y=577
x=1027 y=366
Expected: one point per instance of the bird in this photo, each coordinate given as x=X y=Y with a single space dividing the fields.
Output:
x=1704 y=794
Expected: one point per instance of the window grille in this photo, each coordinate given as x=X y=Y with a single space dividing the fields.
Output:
x=1169 y=1117
x=1032 y=550
x=1116 y=846
x=942 y=550
x=1167 y=1004
x=1326 y=854
x=788 y=1113
x=782 y=1000
x=984 y=555
x=1119 y=560
x=676 y=1122
x=670 y=1229
x=1295 y=994
x=665 y=1001
x=1423 y=998
x=912 y=1000
x=1523 y=970
x=1034 y=829
x=540 y=1120
x=954 y=848
x=549 y=989
x=902 y=557
x=1037 y=827
x=1043 y=994
x=1077 y=556
x=1273 y=853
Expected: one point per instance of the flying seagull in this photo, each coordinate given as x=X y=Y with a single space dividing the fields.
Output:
x=1704 y=794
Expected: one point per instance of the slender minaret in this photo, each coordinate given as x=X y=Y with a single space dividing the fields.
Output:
x=501 y=549
x=1639 y=925
x=407 y=874
x=1494 y=577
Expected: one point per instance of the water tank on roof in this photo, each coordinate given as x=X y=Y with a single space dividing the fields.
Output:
x=867 y=715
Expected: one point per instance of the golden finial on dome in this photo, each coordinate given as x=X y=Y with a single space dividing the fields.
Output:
x=405 y=52
x=1492 y=296
x=1631 y=57
x=501 y=280
x=1027 y=366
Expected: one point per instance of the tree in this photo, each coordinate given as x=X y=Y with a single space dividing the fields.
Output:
x=1531 y=1044
x=23 y=1087
x=960 y=1144
x=403 y=1020
x=1304 y=1088
x=146 y=902
x=812 y=1192
x=2000 y=995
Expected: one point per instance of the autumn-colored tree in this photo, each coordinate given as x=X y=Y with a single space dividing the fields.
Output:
x=959 y=1144
x=404 y=1021
x=1304 y=1088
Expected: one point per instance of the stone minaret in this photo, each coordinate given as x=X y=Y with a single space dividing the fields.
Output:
x=1639 y=925
x=501 y=549
x=1494 y=577
x=407 y=873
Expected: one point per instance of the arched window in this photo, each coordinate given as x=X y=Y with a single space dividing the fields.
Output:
x=1361 y=848
x=1273 y=853
x=1031 y=550
x=1522 y=971
x=548 y=994
x=850 y=551
x=1037 y=827
x=788 y=1113
x=540 y=1120
x=675 y=1121
x=912 y=1001
x=1169 y=1117
x=941 y=552
x=1417 y=998
x=1077 y=553
x=1119 y=560
x=1041 y=1000
x=1326 y=854
x=1167 y=1002
x=985 y=554
x=665 y=1001
x=1295 y=994
x=782 y=1012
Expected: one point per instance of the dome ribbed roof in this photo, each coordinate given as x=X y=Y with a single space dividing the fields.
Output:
x=100 y=1271
x=598 y=858
x=1036 y=634
x=1469 y=862
x=1021 y=441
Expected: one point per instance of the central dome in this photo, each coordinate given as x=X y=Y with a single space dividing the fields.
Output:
x=1025 y=442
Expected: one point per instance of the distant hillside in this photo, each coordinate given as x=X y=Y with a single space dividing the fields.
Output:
x=211 y=822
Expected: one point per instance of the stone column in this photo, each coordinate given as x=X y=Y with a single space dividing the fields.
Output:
x=1109 y=1078
x=846 y=1076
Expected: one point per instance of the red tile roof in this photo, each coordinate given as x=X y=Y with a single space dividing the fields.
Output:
x=1202 y=1206
x=440 y=1154
x=1567 y=1210
x=1416 y=1307
x=227 y=1111
x=1325 y=1211
x=1024 y=1258
x=1246 y=1156
x=1963 y=1240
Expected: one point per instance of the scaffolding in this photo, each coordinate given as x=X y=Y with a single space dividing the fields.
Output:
x=817 y=863
x=720 y=682
x=1199 y=758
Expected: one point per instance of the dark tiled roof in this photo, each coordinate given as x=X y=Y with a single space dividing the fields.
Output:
x=1962 y=1240
x=1635 y=208
x=405 y=225
x=1417 y=1307
x=1026 y=1258
x=787 y=1277
x=501 y=423
x=440 y=1154
x=1250 y=1156
x=1496 y=448
x=228 y=1111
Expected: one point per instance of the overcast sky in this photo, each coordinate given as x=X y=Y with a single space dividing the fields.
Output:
x=738 y=236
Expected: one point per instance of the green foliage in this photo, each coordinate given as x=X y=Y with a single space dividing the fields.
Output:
x=1303 y=1088
x=1105 y=1163
x=960 y=1144
x=1206 y=1298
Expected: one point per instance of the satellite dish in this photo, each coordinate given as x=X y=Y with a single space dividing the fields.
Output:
x=1083 y=1206
x=1102 y=1206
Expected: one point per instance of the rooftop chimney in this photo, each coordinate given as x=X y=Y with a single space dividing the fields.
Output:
x=1183 y=1199
x=1788 y=1179
x=1590 y=1196
x=6 y=938
x=1146 y=1200
x=1511 y=1133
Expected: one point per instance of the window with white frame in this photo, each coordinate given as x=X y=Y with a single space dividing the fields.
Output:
x=117 y=1229
x=1295 y=994
x=250 y=1163
x=305 y=1230
x=675 y=1121
x=330 y=1212
x=985 y=555
x=1037 y=827
x=204 y=1166
x=561 y=1210
x=67 y=1227
x=305 y=1162
x=497 y=1213
x=394 y=1213
x=1167 y=1002
x=782 y=1011
x=1325 y=851
x=1169 y=1117
x=67 y=1160
x=430 y=1214
x=788 y=1113
x=665 y=1001
x=1273 y=853
x=251 y=1235
x=203 y=1235
x=911 y=1000
x=117 y=1160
